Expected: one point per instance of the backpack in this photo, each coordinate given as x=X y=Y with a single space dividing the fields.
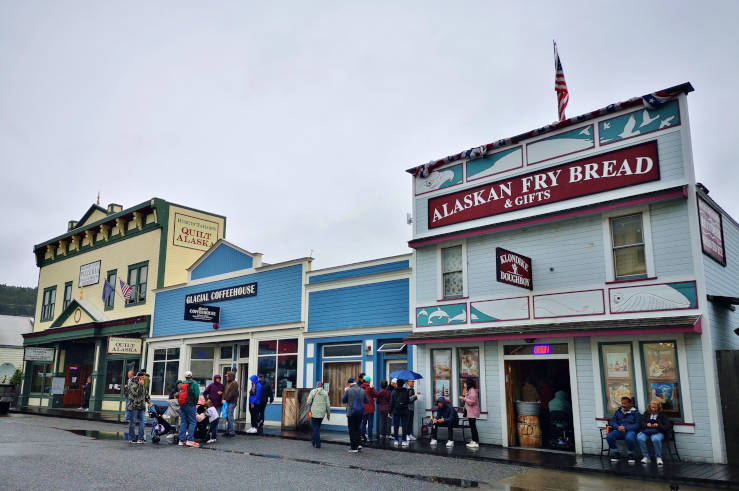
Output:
x=184 y=390
x=403 y=399
x=357 y=404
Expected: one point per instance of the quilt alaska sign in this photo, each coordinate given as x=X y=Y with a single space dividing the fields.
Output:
x=621 y=168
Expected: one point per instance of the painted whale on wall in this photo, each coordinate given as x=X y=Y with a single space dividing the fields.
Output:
x=649 y=298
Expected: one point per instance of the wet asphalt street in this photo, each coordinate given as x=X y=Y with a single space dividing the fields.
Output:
x=53 y=453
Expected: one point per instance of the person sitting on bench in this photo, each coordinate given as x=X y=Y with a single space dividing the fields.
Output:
x=624 y=425
x=446 y=415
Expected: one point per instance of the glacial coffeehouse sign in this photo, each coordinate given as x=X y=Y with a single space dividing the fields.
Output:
x=513 y=268
x=221 y=294
x=613 y=170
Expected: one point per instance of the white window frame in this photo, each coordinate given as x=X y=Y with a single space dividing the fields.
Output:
x=440 y=271
x=254 y=352
x=682 y=362
x=342 y=357
x=481 y=389
x=646 y=237
x=150 y=365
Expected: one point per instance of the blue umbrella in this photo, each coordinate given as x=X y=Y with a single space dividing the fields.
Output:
x=405 y=375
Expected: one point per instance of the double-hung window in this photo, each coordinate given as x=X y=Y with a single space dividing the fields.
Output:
x=452 y=272
x=277 y=360
x=47 y=303
x=137 y=274
x=111 y=279
x=67 y=294
x=165 y=366
x=628 y=245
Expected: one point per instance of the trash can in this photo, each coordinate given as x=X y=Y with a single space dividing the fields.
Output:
x=295 y=409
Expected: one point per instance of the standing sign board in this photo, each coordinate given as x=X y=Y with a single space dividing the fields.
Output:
x=33 y=353
x=202 y=313
x=89 y=274
x=513 y=269
x=712 y=232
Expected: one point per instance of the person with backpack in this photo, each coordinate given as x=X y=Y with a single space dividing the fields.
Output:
x=446 y=415
x=188 y=398
x=400 y=399
x=266 y=396
x=255 y=397
x=231 y=396
x=355 y=398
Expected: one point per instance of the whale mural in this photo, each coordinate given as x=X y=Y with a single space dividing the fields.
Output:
x=650 y=298
x=569 y=304
x=495 y=163
x=561 y=144
x=638 y=123
x=439 y=179
x=506 y=309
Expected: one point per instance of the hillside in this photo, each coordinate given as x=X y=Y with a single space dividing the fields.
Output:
x=17 y=300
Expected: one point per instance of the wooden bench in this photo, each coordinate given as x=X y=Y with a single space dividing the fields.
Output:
x=668 y=443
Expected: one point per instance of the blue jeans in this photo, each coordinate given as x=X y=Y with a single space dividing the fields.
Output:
x=629 y=436
x=400 y=420
x=128 y=412
x=316 y=425
x=133 y=415
x=368 y=422
x=230 y=419
x=656 y=443
x=187 y=423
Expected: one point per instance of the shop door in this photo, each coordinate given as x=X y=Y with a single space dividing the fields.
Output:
x=243 y=377
x=728 y=367
x=74 y=382
x=393 y=365
x=511 y=382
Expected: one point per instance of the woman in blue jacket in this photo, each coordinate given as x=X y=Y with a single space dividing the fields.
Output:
x=255 y=400
x=624 y=425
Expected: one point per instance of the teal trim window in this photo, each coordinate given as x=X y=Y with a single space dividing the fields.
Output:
x=452 y=272
x=67 y=294
x=137 y=274
x=617 y=374
x=111 y=279
x=47 y=303
x=41 y=375
x=627 y=238
x=662 y=376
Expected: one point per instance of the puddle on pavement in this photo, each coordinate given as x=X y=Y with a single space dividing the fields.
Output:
x=449 y=481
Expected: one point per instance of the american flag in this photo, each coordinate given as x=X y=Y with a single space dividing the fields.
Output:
x=126 y=290
x=560 y=86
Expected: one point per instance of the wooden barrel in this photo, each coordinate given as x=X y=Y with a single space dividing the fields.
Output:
x=529 y=431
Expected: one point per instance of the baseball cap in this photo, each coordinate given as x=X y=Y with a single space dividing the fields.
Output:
x=394 y=381
x=350 y=381
x=188 y=374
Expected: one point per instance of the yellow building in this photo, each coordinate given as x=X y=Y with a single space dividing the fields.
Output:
x=85 y=326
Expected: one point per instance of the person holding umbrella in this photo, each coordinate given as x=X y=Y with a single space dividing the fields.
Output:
x=400 y=401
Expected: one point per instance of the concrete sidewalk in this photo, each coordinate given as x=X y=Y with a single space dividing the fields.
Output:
x=673 y=473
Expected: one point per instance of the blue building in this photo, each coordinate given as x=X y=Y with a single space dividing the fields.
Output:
x=358 y=315
x=259 y=329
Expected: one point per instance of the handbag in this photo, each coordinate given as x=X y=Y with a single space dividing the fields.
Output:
x=224 y=411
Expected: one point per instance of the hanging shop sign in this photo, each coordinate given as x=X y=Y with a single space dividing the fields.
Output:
x=124 y=346
x=513 y=269
x=193 y=232
x=202 y=313
x=712 y=232
x=32 y=353
x=605 y=172
x=230 y=293
x=89 y=274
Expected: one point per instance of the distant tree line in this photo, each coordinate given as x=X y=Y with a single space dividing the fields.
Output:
x=17 y=300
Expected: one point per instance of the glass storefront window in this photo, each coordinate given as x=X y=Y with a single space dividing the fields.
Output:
x=41 y=378
x=114 y=377
x=266 y=367
x=244 y=351
x=441 y=362
x=617 y=369
x=164 y=371
x=280 y=371
x=287 y=373
x=661 y=376
x=267 y=347
x=342 y=350
x=468 y=367
x=227 y=353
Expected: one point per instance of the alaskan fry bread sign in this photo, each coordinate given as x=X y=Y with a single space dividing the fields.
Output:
x=625 y=167
x=193 y=232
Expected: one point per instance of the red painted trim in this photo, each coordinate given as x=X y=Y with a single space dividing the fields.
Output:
x=679 y=123
x=631 y=280
x=415 y=321
x=528 y=309
x=610 y=309
x=603 y=300
x=494 y=173
x=577 y=334
x=564 y=154
x=659 y=196
x=447 y=187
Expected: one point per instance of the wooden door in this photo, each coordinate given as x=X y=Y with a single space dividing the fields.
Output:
x=72 y=387
x=511 y=382
x=728 y=367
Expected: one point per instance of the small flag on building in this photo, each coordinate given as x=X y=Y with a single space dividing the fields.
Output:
x=126 y=290
x=656 y=99
x=560 y=86
x=107 y=292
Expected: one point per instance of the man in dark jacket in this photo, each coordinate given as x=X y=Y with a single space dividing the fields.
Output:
x=355 y=398
x=231 y=396
x=400 y=401
x=446 y=415
x=624 y=425
x=266 y=396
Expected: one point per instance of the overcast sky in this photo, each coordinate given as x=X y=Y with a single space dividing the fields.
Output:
x=296 y=120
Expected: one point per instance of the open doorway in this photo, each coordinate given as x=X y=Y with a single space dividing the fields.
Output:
x=539 y=404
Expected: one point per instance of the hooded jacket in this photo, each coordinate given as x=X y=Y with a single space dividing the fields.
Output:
x=319 y=404
x=560 y=403
x=446 y=411
x=383 y=400
x=630 y=420
x=369 y=408
x=400 y=399
x=267 y=395
x=211 y=393
x=255 y=391
x=352 y=393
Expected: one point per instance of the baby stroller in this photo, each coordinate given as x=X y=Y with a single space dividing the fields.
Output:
x=159 y=425
x=202 y=428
